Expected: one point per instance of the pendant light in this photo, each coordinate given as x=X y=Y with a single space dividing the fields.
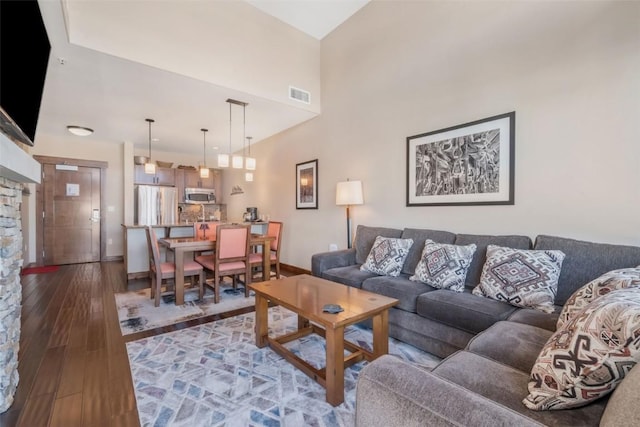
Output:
x=250 y=162
x=248 y=176
x=223 y=159
x=149 y=167
x=238 y=161
x=204 y=170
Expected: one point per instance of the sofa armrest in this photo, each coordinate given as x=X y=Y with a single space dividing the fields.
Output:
x=392 y=392
x=326 y=260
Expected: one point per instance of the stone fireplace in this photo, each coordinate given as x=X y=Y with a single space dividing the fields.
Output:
x=16 y=168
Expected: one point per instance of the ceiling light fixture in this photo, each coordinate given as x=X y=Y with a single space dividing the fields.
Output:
x=250 y=162
x=238 y=161
x=204 y=171
x=149 y=167
x=79 y=130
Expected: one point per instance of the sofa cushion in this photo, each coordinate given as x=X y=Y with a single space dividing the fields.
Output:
x=523 y=278
x=387 y=256
x=590 y=355
x=419 y=236
x=507 y=386
x=616 y=279
x=586 y=261
x=350 y=275
x=365 y=236
x=400 y=288
x=618 y=413
x=511 y=343
x=464 y=311
x=481 y=242
x=536 y=318
x=444 y=266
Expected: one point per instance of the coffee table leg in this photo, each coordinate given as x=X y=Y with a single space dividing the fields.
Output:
x=335 y=365
x=262 y=328
x=380 y=334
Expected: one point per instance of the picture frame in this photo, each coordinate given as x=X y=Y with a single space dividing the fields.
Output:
x=468 y=164
x=307 y=185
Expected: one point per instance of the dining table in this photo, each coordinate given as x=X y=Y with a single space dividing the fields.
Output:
x=184 y=245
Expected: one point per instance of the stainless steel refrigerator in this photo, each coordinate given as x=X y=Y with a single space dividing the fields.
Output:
x=155 y=205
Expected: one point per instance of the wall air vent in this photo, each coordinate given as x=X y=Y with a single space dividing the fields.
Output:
x=299 y=95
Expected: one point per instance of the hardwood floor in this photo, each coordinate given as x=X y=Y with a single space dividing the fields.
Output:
x=73 y=364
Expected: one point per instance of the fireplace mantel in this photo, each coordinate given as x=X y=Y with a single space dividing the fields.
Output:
x=16 y=164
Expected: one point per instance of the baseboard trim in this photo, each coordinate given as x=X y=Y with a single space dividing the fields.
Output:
x=294 y=269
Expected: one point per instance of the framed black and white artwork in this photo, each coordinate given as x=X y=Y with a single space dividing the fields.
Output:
x=307 y=185
x=468 y=164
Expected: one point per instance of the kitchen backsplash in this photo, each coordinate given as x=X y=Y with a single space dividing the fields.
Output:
x=193 y=213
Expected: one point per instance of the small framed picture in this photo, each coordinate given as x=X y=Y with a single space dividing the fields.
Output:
x=307 y=185
x=468 y=164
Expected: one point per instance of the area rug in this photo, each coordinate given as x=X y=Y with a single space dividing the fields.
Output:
x=214 y=375
x=137 y=312
x=38 y=270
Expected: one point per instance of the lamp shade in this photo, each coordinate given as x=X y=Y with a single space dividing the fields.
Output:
x=237 y=162
x=204 y=172
x=349 y=193
x=223 y=160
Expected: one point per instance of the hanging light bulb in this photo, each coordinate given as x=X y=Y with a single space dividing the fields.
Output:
x=149 y=167
x=250 y=162
x=204 y=170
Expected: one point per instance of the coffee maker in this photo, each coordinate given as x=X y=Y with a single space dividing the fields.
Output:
x=251 y=214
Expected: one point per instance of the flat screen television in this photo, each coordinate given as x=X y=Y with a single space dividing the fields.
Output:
x=24 y=55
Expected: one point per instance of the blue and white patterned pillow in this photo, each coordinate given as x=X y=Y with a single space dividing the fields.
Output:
x=522 y=278
x=387 y=256
x=444 y=266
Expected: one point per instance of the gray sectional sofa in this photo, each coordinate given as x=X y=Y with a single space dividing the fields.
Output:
x=489 y=346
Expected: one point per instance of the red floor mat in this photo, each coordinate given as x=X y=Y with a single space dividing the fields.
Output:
x=38 y=270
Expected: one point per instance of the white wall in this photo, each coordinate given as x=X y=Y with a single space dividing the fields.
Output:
x=395 y=69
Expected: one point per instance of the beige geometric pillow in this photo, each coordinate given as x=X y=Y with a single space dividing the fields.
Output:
x=523 y=278
x=387 y=256
x=589 y=355
x=444 y=266
x=616 y=279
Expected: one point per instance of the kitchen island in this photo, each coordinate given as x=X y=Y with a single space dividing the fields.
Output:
x=136 y=252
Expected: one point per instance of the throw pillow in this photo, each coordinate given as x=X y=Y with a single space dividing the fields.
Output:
x=616 y=279
x=590 y=355
x=523 y=278
x=387 y=256
x=444 y=266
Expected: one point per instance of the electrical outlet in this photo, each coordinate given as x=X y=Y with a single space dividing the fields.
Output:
x=333 y=247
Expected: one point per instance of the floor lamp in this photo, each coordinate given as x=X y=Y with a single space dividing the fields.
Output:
x=349 y=193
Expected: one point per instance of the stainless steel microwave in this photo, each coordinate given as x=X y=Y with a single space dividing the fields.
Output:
x=199 y=195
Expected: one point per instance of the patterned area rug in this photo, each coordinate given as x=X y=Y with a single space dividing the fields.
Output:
x=214 y=375
x=137 y=312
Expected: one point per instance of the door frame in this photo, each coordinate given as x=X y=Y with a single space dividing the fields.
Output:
x=40 y=201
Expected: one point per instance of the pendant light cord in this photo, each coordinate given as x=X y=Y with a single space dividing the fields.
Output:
x=204 y=146
x=150 y=121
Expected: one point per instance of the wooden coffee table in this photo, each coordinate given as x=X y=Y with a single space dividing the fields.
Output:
x=306 y=295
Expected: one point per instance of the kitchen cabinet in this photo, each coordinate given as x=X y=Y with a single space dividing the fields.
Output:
x=163 y=176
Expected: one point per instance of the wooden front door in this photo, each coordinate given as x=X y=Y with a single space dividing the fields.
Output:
x=71 y=202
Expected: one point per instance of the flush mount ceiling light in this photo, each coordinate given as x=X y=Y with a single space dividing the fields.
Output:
x=149 y=167
x=204 y=171
x=79 y=130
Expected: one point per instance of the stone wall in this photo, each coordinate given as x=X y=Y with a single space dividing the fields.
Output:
x=10 y=288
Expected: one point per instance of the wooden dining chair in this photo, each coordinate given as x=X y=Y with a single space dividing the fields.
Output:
x=275 y=230
x=231 y=257
x=164 y=271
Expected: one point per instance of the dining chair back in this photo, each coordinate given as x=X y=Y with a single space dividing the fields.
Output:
x=274 y=229
x=231 y=257
x=162 y=271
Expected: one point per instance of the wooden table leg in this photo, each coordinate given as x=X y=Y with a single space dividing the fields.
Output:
x=335 y=365
x=266 y=261
x=380 y=334
x=179 y=279
x=262 y=319
x=303 y=322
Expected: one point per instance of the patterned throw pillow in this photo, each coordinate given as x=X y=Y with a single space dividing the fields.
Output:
x=444 y=266
x=523 y=278
x=590 y=355
x=616 y=279
x=387 y=256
